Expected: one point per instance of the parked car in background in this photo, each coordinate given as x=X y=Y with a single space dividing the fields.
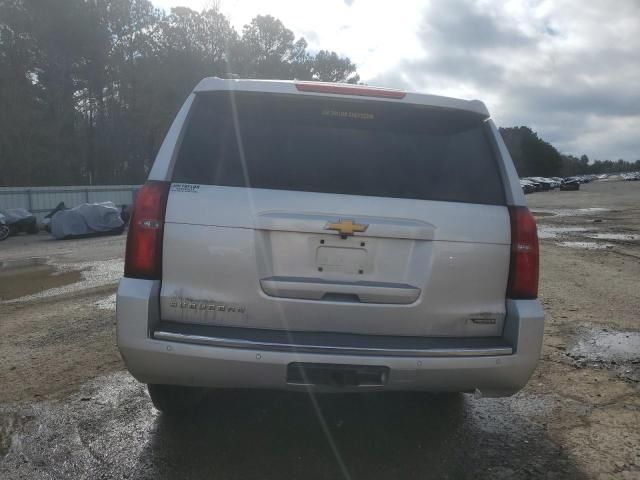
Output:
x=534 y=184
x=558 y=181
x=543 y=183
x=20 y=220
x=570 y=184
x=528 y=186
x=86 y=220
x=553 y=183
x=303 y=256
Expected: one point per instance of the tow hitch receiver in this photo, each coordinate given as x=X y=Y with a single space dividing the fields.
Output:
x=332 y=375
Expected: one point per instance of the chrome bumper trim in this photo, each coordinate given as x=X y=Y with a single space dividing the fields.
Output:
x=324 y=349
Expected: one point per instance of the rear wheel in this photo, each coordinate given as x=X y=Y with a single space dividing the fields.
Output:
x=175 y=399
x=5 y=231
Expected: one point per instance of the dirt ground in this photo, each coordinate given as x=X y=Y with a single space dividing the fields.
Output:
x=69 y=409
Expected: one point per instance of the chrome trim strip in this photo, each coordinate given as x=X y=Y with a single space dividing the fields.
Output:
x=315 y=289
x=248 y=344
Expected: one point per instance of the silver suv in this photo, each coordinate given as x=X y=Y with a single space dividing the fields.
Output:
x=327 y=237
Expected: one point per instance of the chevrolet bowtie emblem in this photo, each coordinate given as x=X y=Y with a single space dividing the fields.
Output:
x=347 y=227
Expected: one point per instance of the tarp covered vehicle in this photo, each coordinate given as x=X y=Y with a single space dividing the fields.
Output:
x=87 y=220
x=4 y=228
x=18 y=220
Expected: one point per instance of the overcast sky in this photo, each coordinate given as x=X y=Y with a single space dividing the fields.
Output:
x=569 y=69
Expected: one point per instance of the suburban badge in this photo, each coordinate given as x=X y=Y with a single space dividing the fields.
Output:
x=204 y=305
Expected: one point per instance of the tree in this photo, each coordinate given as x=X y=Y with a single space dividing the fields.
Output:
x=531 y=155
x=270 y=50
x=61 y=30
x=20 y=108
x=88 y=88
x=329 y=67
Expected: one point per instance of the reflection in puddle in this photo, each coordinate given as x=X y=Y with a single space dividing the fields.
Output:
x=613 y=236
x=545 y=231
x=107 y=303
x=9 y=424
x=53 y=280
x=603 y=345
x=553 y=232
x=566 y=212
x=29 y=276
x=22 y=263
x=591 y=210
x=586 y=245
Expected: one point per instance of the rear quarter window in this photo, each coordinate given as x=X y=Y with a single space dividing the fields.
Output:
x=330 y=145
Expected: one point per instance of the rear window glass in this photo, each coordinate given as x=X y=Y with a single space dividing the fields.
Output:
x=320 y=144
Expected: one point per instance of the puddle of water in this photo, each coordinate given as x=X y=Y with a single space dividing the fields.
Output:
x=31 y=275
x=554 y=232
x=613 y=236
x=88 y=435
x=8 y=266
x=5 y=439
x=568 y=212
x=64 y=279
x=602 y=345
x=9 y=424
x=587 y=245
x=107 y=303
x=592 y=209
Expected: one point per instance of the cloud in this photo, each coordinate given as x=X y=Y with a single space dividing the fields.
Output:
x=310 y=35
x=569 y=69
x=464 y=24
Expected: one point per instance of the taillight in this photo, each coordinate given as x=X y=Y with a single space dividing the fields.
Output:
x=345 y=89
x=523 y=270
x=144 y=242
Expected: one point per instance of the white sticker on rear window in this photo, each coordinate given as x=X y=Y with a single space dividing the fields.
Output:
x=185 y=187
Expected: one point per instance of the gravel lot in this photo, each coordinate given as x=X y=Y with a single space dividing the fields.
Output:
x=69 y=409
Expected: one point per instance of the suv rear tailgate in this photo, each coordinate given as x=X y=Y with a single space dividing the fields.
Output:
x=312 y=213
x=442 y=271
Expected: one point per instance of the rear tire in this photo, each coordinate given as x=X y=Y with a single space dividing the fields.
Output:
x=5 y=231
x=175 y=399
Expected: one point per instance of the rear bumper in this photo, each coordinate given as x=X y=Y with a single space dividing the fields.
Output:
x=170 y=362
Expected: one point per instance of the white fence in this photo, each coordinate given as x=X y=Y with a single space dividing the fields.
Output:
x=41 y=200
